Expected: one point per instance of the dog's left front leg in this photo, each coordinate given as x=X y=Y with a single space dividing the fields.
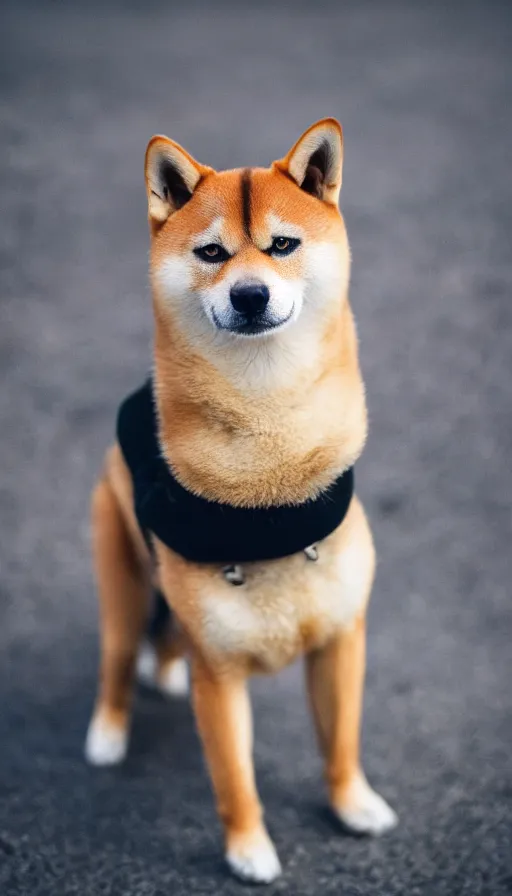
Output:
x=223 y=714
x=335 y=676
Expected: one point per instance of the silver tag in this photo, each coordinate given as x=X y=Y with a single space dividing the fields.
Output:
x=311 y=552
x=234 y=575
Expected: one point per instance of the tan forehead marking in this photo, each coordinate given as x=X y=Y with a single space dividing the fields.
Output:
x=279 y=227
x=210 y=234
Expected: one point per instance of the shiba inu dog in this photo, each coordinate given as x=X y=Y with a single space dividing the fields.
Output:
x=259 y=409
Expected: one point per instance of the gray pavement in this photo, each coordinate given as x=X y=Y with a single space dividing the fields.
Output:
x=424 y=92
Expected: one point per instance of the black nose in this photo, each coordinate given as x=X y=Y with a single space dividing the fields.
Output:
x=250 y=299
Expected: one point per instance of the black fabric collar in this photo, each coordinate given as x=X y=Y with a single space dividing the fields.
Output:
x=205 y=531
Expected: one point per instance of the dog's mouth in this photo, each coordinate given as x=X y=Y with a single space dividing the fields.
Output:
x=243 y=325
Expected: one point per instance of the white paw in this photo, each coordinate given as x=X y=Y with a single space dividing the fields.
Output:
x=105 y=744
x=257 y=862
x=173 y=678
x=146 y=665
x=365 y=811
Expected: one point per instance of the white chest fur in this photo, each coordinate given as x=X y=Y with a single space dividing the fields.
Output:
x=290 y=605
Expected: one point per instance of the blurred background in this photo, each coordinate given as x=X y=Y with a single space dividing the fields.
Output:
x=424 y=93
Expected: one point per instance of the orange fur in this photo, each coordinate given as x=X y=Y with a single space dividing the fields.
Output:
x=251 y=423
x=284 y=448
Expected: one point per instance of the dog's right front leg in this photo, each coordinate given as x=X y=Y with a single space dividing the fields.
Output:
x=223 y=714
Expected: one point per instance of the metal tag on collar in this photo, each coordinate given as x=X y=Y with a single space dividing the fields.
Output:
x=234 y=574
x=311 y=552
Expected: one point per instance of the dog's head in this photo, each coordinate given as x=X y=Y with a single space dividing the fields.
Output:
x=245 y=254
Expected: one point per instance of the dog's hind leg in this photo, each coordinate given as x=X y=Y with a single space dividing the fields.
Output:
x=123 y=590
x=161 y=663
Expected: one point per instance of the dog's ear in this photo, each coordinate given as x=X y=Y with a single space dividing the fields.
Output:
x=172 y=175
x=315 y=162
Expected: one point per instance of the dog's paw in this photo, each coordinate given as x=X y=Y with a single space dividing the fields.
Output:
x=364 y=811
x=147 y=665
x=254 y=859
x=105 y=744
x=171 y=680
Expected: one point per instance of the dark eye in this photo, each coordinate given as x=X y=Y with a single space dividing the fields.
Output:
x=283 y=245
x=212 y=253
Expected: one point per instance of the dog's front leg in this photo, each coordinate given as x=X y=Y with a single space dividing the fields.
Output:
x=335 y=683
x=223 y=714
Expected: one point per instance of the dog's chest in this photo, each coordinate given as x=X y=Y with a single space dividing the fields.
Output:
x=284 y=608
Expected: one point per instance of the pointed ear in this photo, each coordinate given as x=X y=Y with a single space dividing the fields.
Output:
x=172 y=175
x=315 y=162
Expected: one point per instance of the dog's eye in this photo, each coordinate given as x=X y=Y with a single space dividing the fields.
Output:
x=212 y=253
x=283 y=245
